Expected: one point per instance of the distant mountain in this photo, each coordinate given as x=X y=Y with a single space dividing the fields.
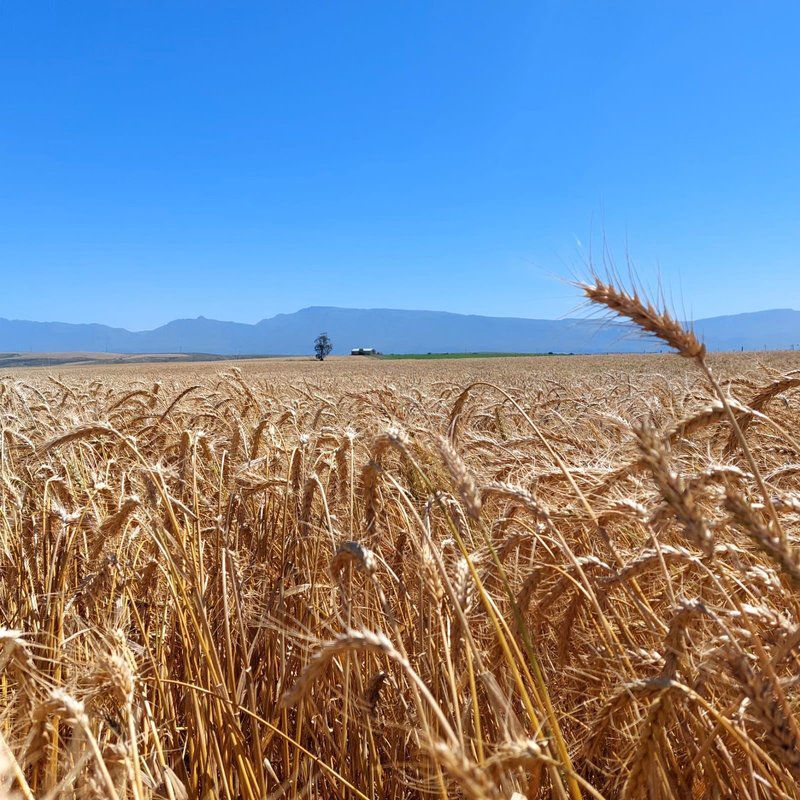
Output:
x=392 y=331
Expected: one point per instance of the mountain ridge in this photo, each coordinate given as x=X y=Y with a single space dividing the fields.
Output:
x=393 y=330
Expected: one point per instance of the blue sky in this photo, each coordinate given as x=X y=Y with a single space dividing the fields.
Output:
x=237 y=160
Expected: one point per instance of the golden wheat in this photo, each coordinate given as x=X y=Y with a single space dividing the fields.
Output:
x=516 y=578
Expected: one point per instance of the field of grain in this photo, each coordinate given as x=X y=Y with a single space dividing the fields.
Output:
x=505 y=578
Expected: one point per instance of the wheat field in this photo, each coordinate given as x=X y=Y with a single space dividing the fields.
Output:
x=507 y=578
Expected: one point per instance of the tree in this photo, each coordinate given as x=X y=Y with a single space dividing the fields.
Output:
x=322 y=346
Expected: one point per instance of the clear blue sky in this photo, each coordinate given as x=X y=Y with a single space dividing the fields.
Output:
x=239 y=159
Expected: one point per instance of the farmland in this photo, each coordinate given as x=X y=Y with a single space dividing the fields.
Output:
x=445 y=356
x=514 y=577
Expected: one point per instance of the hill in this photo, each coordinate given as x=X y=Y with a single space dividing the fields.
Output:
x=391 y=331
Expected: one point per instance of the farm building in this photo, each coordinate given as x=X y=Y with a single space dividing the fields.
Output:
x=363 y=351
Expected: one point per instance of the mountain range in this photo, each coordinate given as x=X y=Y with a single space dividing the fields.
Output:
x=393 y=331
